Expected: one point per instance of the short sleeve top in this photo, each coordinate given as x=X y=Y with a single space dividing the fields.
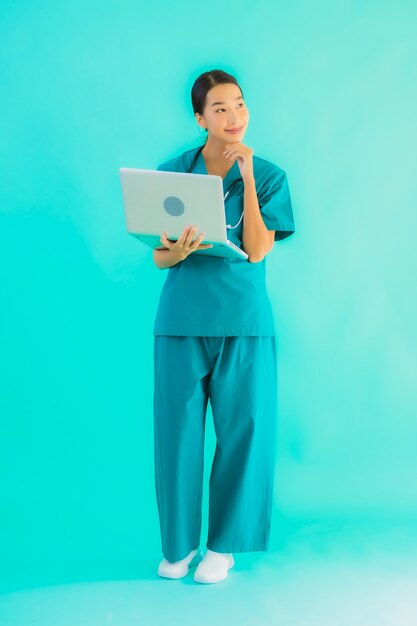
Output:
x=215 y=296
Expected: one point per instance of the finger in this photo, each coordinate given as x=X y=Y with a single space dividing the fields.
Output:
x=205 y=245
x=198 y=240
x=189 y=239
x=184 y=235
x=165 y=241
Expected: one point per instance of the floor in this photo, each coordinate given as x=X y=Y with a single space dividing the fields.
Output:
x=321 y=577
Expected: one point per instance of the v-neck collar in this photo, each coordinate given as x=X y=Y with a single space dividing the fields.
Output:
x=232 y=174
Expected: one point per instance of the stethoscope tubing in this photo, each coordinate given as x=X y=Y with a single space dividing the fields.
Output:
x=235 y=182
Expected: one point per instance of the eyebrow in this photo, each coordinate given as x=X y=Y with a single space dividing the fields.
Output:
x=214 y=103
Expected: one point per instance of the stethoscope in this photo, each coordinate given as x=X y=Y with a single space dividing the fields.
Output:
x=235 y=182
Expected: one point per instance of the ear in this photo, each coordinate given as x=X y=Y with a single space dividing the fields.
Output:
x=199 y=119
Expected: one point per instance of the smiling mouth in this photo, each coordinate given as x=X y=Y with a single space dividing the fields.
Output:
x=233 y=130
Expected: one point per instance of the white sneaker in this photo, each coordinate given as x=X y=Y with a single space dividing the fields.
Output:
x=214 y=567
x=179 y=569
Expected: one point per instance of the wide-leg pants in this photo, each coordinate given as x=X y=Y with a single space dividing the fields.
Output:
x=239 y=376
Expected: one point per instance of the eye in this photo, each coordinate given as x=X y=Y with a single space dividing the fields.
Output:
x=240 y=104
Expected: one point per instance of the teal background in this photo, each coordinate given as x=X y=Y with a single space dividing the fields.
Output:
x=87 y=88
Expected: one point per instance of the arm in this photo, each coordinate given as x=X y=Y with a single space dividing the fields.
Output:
x=257 y=240
x=164 y=258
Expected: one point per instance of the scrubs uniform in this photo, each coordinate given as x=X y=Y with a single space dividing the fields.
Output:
x=215 y=338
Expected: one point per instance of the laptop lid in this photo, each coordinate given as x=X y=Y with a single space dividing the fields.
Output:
x=157 y=201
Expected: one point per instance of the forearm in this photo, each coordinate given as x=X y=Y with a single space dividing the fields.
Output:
x=164 y=258
x=255 y=237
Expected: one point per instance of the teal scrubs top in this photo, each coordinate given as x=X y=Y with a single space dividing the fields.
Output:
x=217 y=297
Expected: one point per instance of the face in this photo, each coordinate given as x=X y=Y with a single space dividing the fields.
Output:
x=225 y=109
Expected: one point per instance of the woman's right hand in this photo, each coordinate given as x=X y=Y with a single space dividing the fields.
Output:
x=184 y=245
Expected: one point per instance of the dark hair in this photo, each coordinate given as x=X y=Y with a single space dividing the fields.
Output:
x=204 y=83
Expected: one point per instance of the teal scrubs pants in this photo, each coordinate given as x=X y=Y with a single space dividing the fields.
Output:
x=239 y=376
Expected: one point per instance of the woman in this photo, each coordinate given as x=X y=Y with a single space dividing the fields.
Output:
x=215 y=338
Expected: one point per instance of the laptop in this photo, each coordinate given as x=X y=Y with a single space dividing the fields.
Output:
x=157 y=201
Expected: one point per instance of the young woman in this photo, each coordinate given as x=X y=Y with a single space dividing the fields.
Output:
x=215 y=338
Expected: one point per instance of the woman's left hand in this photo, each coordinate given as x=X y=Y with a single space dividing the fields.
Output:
x=244 y=156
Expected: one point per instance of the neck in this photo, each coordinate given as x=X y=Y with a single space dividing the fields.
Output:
x=213 y=151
